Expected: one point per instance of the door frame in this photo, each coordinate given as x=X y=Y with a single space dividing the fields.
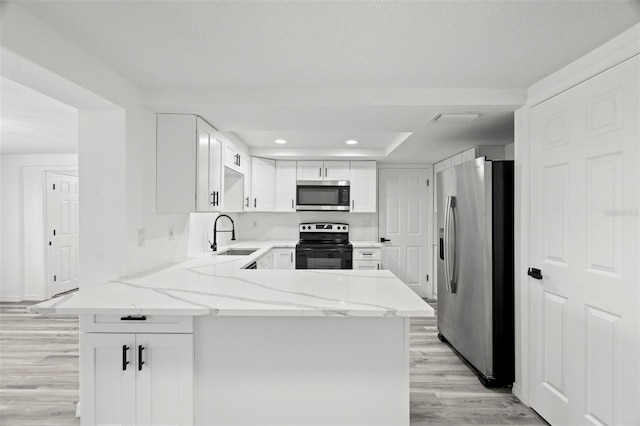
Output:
x=47 y=222
x=615 y=51
x=429 y=168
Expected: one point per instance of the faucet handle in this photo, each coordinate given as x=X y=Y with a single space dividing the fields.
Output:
x=214 y=246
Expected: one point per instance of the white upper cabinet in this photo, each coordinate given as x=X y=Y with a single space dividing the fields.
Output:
x=310 y=170
x=323 y=170
x=246 y=201
x=336 y=170
x=263 y=182
x=364 y=186
x=285 y=186
x=235 y=159
x=188 y=165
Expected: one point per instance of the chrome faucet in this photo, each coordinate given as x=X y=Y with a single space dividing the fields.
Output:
x=214 y=246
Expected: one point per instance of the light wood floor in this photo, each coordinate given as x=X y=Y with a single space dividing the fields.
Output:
x=39 y=376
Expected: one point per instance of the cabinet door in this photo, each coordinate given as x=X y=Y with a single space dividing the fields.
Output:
x=204 y=196
x=364 y=186
x=216 y=173
x=284 y=258
x=230 y=157
x=266 y=261
x=310 y=170
x=208 y=168
x=246 y=202
x=107 y=378
x=285 y=186
x=366 y=265
x=336 y=170
x=263 y=184
x=165 y=379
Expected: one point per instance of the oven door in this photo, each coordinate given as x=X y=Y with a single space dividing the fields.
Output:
x=324 y=257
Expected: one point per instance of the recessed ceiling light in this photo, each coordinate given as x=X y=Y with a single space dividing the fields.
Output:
x=351 y=142
x=456 y=117
x=280 y=141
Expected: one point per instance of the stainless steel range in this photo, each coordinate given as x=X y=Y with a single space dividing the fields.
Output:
x=324 y=246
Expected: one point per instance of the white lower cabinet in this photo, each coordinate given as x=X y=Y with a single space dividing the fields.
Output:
x=367 y=265
x=284 y=258
x=367 y=258
x=266 y=261
x=136 y=378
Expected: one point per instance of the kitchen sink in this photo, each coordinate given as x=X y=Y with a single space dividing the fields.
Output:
x=237 y=252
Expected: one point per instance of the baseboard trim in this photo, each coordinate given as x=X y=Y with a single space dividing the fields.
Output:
x=11 y=299
x=517 y=392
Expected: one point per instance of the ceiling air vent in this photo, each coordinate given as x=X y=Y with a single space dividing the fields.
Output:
x=455 y=117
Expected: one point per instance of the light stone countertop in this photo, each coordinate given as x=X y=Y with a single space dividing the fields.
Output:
x=208 y=284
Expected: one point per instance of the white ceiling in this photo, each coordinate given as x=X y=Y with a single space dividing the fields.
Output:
x=32 y=123
x=319 y=72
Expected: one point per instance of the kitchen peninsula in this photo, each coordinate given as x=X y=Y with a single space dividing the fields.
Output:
x=208 y=342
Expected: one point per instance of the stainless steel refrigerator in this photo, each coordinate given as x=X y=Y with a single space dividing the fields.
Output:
x=475 y=266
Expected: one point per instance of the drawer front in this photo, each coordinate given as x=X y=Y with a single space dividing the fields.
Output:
x=366 y=265
x=136 y=324
x=367 y=254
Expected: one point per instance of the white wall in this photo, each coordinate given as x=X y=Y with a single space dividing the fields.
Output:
x=22 y=222
x=116 y=149
x=284 y=226
x=509 y=152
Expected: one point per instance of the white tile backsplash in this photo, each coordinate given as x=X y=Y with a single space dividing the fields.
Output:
x=284 y=226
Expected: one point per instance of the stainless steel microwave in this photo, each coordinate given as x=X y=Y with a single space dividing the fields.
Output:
x=323 y=195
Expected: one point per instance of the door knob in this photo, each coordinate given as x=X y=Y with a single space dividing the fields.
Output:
x=384 y=240
x=535 y=273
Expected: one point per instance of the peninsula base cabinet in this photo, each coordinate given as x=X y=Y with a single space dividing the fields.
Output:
x=136 y=379
x=274 y=371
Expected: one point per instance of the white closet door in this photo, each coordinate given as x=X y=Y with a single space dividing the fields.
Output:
x=63 y=234
x=585 y=237
x=403 y=219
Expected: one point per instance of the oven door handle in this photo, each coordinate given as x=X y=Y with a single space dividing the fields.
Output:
x=333 y=250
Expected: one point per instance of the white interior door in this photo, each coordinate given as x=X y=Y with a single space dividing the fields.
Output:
x=62 y=233
x=584 y=236
x=404 y=220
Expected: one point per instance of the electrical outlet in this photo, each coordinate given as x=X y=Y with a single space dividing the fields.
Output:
x=171 y=234
x=141 y=237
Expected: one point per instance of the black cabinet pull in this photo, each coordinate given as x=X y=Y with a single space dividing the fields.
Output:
x=140 y=361
x=125 y=348
x=133 y=318
x=384 y=240
x=535 y=273
x=255 y=203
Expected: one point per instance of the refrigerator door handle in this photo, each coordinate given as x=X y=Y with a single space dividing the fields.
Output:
x=449 y=242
